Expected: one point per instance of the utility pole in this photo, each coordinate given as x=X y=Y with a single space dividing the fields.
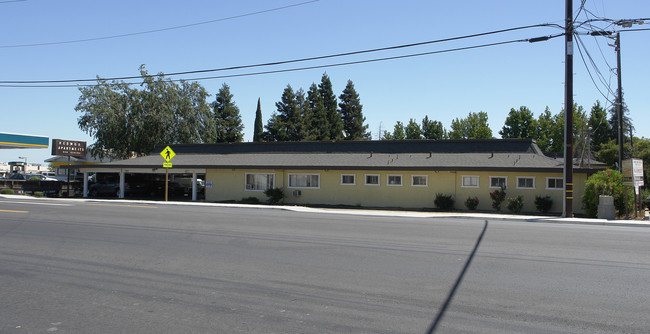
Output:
x=568 y=112
x=619 y=102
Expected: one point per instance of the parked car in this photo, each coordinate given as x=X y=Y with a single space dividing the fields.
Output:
x=105 y=187
x=41 y=177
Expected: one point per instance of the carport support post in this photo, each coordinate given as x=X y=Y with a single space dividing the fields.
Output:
x=68 y=183
x=85 y=193
x=194 y=186
x=122 y=177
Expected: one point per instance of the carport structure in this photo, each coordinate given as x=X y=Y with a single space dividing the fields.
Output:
x=151 y=164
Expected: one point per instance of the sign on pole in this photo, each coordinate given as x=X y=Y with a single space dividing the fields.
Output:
x=167 y=153
x=633 y=172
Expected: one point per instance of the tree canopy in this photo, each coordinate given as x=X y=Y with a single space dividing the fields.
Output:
x=126 y=121
x=519 y=124
x=474 y=126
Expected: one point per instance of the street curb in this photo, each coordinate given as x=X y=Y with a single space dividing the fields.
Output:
x=361 y=212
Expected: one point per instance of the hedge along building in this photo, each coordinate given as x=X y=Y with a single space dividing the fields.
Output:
x=404 y=174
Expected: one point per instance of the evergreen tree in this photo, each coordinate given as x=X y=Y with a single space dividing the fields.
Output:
x=258 y=132
x=317 y=124
x=351 y=113
x=227 y=117
x=412 y=130
x=519 y=124
x=600 y=128
x=433 y=129
x=302 y=115
x=627 y=123
x=286 y=123
x=334 y=119
x=398 y=131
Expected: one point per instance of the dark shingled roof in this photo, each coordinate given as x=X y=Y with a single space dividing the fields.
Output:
x=488 y=154
x=363 y=146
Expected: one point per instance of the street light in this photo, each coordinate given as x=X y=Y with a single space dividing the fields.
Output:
x=24 y=167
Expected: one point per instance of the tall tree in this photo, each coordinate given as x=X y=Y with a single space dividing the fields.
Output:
x=258 y=131
x=398 y=131
x=228 y=119
x=286 y=122
x=545 y=129
x=600 y=128
x=126 y=121
x=432 y=129
x=351 y=112
x=412 y=130
x=475 y=126
x=331 y=108
x=318 y=127
x=519 y=124
x=627 y=127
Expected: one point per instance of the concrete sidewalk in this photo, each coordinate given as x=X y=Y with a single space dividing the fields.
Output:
x=363 y=212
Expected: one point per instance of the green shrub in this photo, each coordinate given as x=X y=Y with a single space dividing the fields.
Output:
x=7 y=191
x=444 y=202
x=543 y=203
x=498 y=196
x=471 y=203
x=250 y=200
x=516 y=204
x=275 y=195
x=39 y=194
x=610 y=183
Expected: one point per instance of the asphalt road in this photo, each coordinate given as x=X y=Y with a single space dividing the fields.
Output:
x=110 y=267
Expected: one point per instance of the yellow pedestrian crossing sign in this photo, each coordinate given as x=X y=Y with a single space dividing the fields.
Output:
x=167 y=153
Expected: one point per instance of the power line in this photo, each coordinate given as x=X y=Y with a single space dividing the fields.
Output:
x=155 y=30
x=295 y=69
x=595 y=67
x=29 y=82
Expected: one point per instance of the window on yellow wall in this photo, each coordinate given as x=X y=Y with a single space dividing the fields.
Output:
x=470 y=181
x=498 y=182
x=304 y=181
x=259 y=181
x=372 y=180
x=419 y=181
x=554 y=183
x=348 y=179
x=394 y=180
x=525 y=182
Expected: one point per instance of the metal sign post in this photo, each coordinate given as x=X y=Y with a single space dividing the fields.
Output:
x=167 y=154
x=69 y=148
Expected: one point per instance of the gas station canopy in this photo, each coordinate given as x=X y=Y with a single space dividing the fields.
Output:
x=13 y=140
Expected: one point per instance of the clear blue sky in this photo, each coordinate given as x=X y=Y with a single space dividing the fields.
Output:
x=442 y=86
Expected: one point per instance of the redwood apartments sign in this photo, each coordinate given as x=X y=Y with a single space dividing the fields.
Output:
x=68 y=148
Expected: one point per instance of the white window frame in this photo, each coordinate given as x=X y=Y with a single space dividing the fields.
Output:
x=554 y=178
x=302 y=174
x=258 y=190
x=426 y=181
x=462 y=181
x=372 y=184
x=525 y=177
x=354 y=179
x=401 y=180
x=498 y=177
